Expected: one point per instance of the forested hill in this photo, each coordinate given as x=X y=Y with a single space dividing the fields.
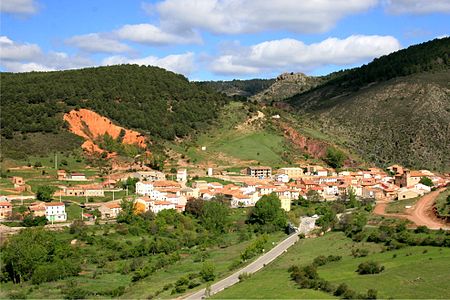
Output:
x=394 y=110
x=150 y=99
x=429 y=56
x=244 y=88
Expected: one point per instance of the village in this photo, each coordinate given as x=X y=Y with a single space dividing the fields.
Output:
x=156 y=191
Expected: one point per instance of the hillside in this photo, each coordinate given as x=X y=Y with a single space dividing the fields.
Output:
x=151 y=100
x=243 y=88
x=393 y=110
x=286 y=86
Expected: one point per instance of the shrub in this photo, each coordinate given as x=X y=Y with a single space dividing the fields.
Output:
x=341 y=289
x=207 y=272
x=369 y=267
x=371 y=294
x=360 y=252
x=244 y=276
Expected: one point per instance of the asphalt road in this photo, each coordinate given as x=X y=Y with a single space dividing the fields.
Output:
x=251 y=268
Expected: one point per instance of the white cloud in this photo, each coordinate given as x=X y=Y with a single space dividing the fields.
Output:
x=17 y=57
x=153 y=35
x=21 y=7
x=179 y=63
x=293 y=55
x=95 y=43
x=417 y=6
x=244 y=16
x=12 y=51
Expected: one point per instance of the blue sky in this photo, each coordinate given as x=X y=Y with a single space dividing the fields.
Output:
x=214 y=39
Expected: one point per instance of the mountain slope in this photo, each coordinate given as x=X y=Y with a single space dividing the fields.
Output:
x=286 y=86
x=243 y=88
x=150 y=100
x=393 y=110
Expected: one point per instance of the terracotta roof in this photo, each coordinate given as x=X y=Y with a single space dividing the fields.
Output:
x=162 y=203
x=165 y=183
x=112 y=205
x=5 y=203
x=54 y=204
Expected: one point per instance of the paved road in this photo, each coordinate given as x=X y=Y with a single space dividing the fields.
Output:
x=251 y=268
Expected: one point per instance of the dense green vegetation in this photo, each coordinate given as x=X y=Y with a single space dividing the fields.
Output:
x=155 y=101
x=427 y=56
x=237 y=87
x=177 y=251
x=443 y=204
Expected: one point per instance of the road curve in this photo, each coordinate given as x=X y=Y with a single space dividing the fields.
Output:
x=251 y=268
x=421 y=214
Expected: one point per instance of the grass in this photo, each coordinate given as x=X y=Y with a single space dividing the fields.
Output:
x=415 y=272
x=442 y=208
x=398 y=206
x=226 y=145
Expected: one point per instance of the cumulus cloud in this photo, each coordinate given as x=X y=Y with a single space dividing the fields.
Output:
x=12 y=51
x=179 y=63
x=20 y=7
x=417 y=6
x=290 y=54
x=151 y=34
x=95 y=43
x=23 y=57
x=244 y=16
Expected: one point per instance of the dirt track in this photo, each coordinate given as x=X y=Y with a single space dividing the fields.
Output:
x=420 y=214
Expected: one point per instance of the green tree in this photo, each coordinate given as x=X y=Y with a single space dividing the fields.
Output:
x=335 y=158
x=45 y=193
x=352 y=201
x=194 y=207
x=268 y=215
x=314 y=196
x=214 y=216
x=25 y=251
x=426 y=181
x=208 y=272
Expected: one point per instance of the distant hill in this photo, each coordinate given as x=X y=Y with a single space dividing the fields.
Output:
x=242 y=88
x=151 y=100
x=287 y=85
x=396 y=109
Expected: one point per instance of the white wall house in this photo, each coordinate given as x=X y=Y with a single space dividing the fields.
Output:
x=157 y=206
x=144 y=188
x=55 y=212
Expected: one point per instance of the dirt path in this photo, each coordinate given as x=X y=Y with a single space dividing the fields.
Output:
x=420 y=214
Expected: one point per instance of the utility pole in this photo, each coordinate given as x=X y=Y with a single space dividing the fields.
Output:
x=127 y=190
x=113 y=195
x=56 y=161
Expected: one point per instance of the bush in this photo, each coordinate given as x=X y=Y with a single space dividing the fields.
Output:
x=360 y=252
x=244 y=276
x=371 y=294
x=369 y=267
x=207 y=272
x=341 y=290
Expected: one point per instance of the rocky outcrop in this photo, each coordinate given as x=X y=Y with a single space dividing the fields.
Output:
x=286 y=86
x=90 y=126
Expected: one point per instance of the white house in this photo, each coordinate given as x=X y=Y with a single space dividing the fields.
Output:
x=55 y=212
x=422 y=187
x=157 y=206
x=144 y=188
x=77 y=177
x=282 y=178
x=182 y=175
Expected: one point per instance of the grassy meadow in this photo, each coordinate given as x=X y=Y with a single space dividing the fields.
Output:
x=410 y=272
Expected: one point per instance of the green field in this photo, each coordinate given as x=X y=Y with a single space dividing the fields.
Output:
x=398 y=206
x=411 y=272
x=228 y=145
